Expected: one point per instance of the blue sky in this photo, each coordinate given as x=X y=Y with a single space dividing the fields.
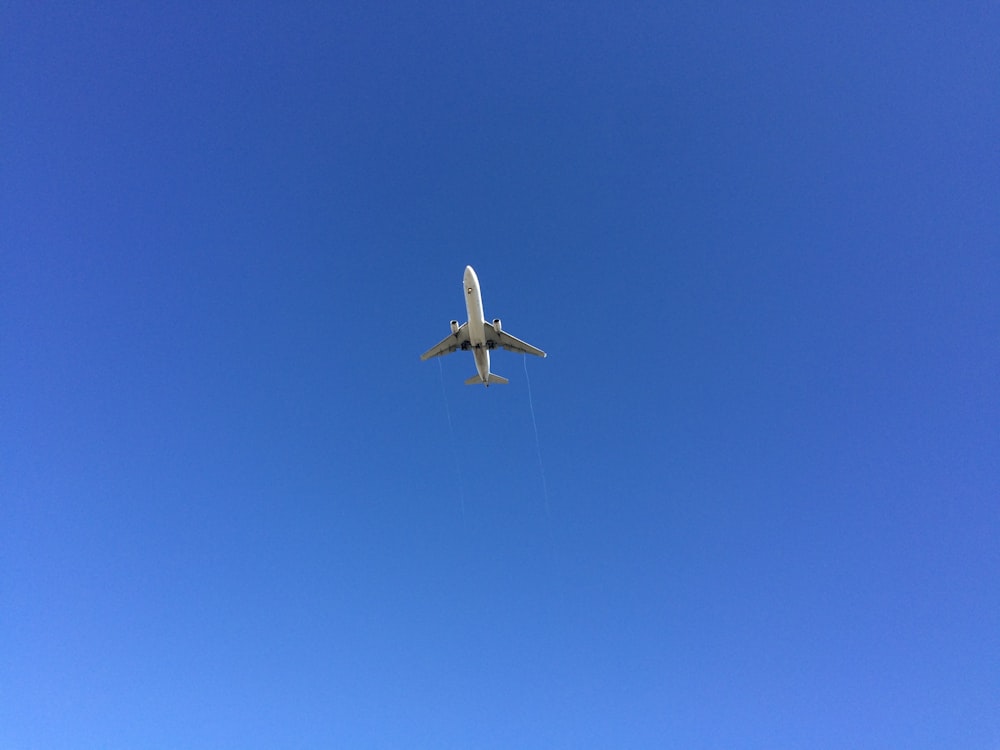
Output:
x=761 y=245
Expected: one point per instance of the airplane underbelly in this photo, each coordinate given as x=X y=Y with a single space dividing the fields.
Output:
x=474 y=307
x=477 y=334
x=482 y=357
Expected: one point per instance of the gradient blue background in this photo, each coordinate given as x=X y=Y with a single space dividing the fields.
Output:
x=761 y=244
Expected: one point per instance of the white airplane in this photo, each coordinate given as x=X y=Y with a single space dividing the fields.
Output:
x=479 y=336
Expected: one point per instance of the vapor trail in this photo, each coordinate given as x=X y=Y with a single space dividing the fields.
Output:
x=538 y=445
x=454 y=442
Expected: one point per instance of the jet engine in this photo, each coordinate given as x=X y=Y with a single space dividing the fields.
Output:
x=454 y=326
x=496 y=324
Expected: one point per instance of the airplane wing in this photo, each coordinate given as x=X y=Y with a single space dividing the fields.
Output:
x=508 y=342
x=451 y=343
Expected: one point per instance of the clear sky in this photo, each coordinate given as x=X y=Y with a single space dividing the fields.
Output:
x=761 y=245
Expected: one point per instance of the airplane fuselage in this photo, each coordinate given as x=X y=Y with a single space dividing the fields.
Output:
x=477 y=331
x=479 y=336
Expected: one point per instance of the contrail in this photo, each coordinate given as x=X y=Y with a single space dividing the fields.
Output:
x=454 y=443
x=538 y=445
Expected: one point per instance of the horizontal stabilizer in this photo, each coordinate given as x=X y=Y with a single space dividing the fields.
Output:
x=493 y=379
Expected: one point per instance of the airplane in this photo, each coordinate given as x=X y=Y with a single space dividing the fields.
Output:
x=479 y=335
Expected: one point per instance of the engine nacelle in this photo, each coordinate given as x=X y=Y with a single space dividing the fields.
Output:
x=496 y=324
x=454 y=326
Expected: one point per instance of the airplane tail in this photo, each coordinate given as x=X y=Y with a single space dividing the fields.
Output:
x=493 y=379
